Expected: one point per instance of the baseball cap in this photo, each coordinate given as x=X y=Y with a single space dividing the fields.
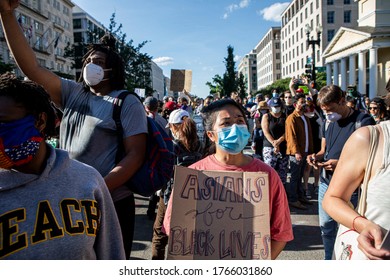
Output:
x=275 y=102
x=170 y=105
x=151 y=103
x=177 y=116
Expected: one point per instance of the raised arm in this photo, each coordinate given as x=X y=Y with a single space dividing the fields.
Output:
x=23 y=53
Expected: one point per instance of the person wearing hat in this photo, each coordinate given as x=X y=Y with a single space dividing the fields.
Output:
x=188 y=150
x=258 y=136
x=168 y=108
x=273 y=125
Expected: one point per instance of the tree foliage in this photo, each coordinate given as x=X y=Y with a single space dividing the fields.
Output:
x=229 y=82
x=137 y=64
x=283 y=84
x=5 y=67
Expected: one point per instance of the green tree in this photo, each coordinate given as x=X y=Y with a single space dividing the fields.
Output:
x=5 y=67
x=137 y=64
x=229 y=78
x=216 y=87
x=229 y=82
x=241 y=85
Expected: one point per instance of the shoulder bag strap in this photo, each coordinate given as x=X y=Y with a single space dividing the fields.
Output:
x=372 y=152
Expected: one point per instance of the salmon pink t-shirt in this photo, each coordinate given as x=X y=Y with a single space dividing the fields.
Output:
x=280 y=223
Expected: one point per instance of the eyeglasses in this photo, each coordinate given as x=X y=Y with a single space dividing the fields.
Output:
x=372 y=108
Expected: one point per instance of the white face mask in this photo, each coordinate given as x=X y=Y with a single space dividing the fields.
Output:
x=93 y=74
x=275 y=110
x=310 y=114
x=333 y=117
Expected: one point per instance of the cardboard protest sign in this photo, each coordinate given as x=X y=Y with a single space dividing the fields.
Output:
x=219 y=215
x=181 y=80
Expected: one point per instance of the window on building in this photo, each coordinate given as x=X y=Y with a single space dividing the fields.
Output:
x=347 y=16
x=347 y=2
x=277 y=45
x=317 y=4
x=330 y=17
x=317 y=20
x=330 y=34
x=306 y=13
x=301 y=16
x=330 y=2
x=277 y=66
x=277 y=55
x=311 y=8
x=38 y=26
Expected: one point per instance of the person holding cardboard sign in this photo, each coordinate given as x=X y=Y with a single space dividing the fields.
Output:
x=227 y=131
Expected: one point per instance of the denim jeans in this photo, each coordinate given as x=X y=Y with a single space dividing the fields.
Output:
x=328 y=226
x=296 y=169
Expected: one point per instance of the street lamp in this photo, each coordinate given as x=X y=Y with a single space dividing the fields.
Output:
x=313 y=44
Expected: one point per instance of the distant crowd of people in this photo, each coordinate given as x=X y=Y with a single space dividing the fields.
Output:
x=72 y=202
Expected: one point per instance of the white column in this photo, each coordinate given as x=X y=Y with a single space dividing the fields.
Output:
x=328 y=74
x=343 y=72
x=362 y=72
x=352 y=69
x=335 y=73
x=373 y=72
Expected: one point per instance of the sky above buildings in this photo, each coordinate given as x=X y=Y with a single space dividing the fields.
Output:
x=191 y=34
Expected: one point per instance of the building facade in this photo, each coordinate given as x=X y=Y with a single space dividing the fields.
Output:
x=248 y=67
x=268 y=58
x=328 y=15
x=158 y=81
x=361 y=56
x=47 y=25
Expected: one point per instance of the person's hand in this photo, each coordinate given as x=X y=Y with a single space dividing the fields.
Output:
x=369 y=242
x=329 y=165
x=8 y=5
x=276 y=150
x=298 y=157
x=312 y=160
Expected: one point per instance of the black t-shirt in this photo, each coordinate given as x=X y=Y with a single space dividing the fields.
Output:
x=277 y=128
x=337 y=133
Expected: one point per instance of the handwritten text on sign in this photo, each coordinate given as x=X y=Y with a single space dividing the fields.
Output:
x=219 y=215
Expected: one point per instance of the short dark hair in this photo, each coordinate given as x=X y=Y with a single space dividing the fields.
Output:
x=299 y=96
x=32 y=97
x=113 y=61
x=209 y=118
x=330 y=94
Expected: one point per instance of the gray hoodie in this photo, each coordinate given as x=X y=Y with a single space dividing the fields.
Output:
x=64 y=213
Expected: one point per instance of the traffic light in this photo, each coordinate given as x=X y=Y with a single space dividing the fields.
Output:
x=308 y=70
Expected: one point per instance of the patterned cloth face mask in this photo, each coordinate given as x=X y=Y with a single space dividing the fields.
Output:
x=233 y=139
x=19 y=142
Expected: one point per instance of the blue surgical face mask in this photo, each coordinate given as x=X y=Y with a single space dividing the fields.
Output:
x=233 y=139
x=333 y=117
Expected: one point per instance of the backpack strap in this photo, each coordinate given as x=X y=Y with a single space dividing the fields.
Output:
x=116 y=115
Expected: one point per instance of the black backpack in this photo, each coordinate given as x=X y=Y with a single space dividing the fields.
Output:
x=186 y=158
x=157 y=168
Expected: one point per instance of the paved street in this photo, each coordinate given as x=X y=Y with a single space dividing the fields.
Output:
x=307 y=244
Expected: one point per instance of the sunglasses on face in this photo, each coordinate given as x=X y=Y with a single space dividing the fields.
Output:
x=372 y=108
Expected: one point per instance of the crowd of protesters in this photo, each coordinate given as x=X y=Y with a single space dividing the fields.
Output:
x=72 y=202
